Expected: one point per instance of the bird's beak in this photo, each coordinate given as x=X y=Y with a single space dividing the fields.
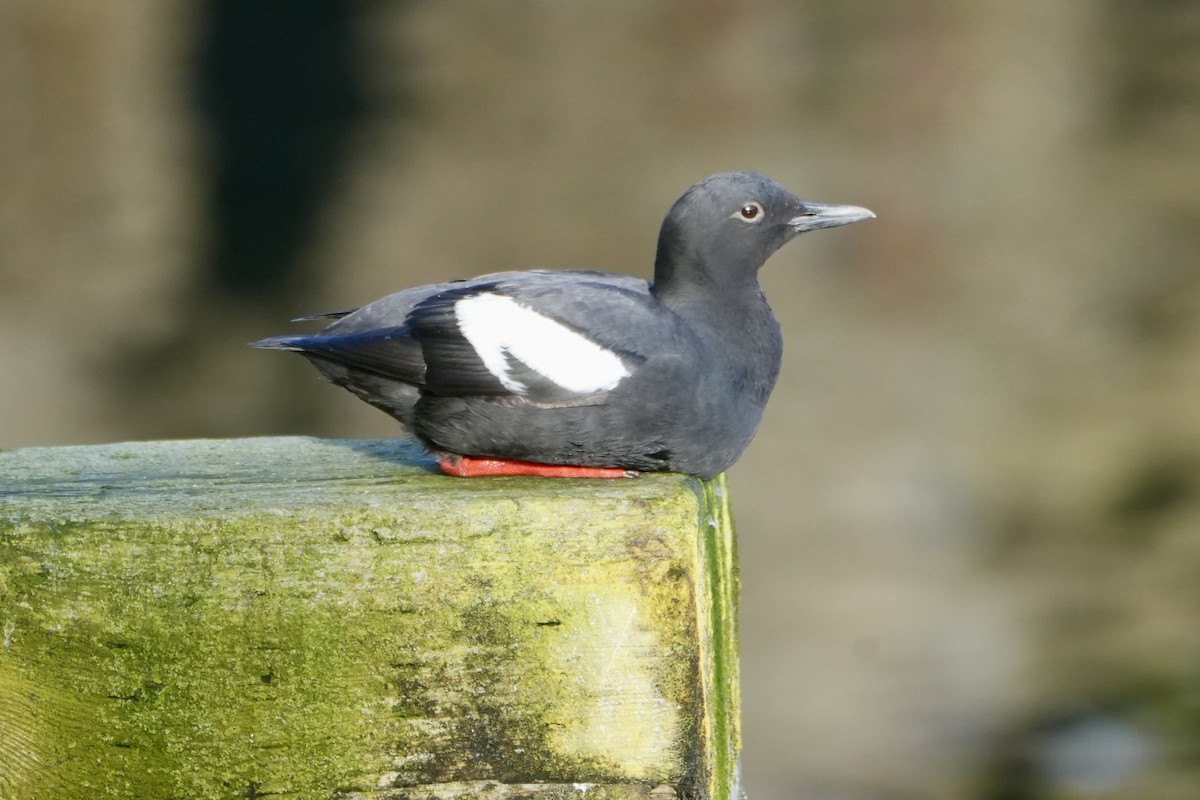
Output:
x=814 y=216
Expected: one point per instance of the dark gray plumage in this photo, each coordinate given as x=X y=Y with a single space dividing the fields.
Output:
x=587 y=368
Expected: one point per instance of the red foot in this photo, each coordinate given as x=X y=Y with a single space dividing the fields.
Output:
x=467 y=467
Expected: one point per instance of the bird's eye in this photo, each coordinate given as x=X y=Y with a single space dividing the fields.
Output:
x=750 y=212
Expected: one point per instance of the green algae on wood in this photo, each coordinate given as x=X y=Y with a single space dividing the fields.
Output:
x=331 y=619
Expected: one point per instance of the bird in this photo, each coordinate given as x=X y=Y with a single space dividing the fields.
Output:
x=579 y=373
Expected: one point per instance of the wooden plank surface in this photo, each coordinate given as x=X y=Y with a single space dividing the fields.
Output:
x=305 y=618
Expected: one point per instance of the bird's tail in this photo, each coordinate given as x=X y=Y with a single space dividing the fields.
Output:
x=295 y=343
x=389 y=352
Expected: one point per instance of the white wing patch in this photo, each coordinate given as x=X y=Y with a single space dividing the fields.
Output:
x=499 y=327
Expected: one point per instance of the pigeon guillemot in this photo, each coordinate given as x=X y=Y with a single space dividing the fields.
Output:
x=574 y=373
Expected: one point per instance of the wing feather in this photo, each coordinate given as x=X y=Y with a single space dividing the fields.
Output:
x=389 y=352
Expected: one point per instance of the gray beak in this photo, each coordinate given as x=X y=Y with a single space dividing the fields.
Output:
x=814 y=216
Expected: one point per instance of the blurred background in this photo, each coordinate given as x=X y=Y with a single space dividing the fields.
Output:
x=970 y=524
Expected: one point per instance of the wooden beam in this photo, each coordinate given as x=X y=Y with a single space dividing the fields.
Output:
x=305 y=618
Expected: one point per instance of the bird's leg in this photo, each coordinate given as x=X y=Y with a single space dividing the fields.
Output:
x=468 y=467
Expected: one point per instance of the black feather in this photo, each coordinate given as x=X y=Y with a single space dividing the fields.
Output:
x=345 y=312
x=453 y=367
x=390 y=352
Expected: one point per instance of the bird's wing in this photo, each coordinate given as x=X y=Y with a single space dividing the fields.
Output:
x=561 y=338
x=544 y=336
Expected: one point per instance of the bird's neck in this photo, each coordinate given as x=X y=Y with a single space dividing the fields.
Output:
x=683 y=282
x=714 y=294
x=741 y=341
x=722 y=306
x=691 y=267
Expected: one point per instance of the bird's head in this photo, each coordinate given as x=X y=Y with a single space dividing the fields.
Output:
x=725 y=227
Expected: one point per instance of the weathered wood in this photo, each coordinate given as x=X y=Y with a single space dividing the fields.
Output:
x=329 y=619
